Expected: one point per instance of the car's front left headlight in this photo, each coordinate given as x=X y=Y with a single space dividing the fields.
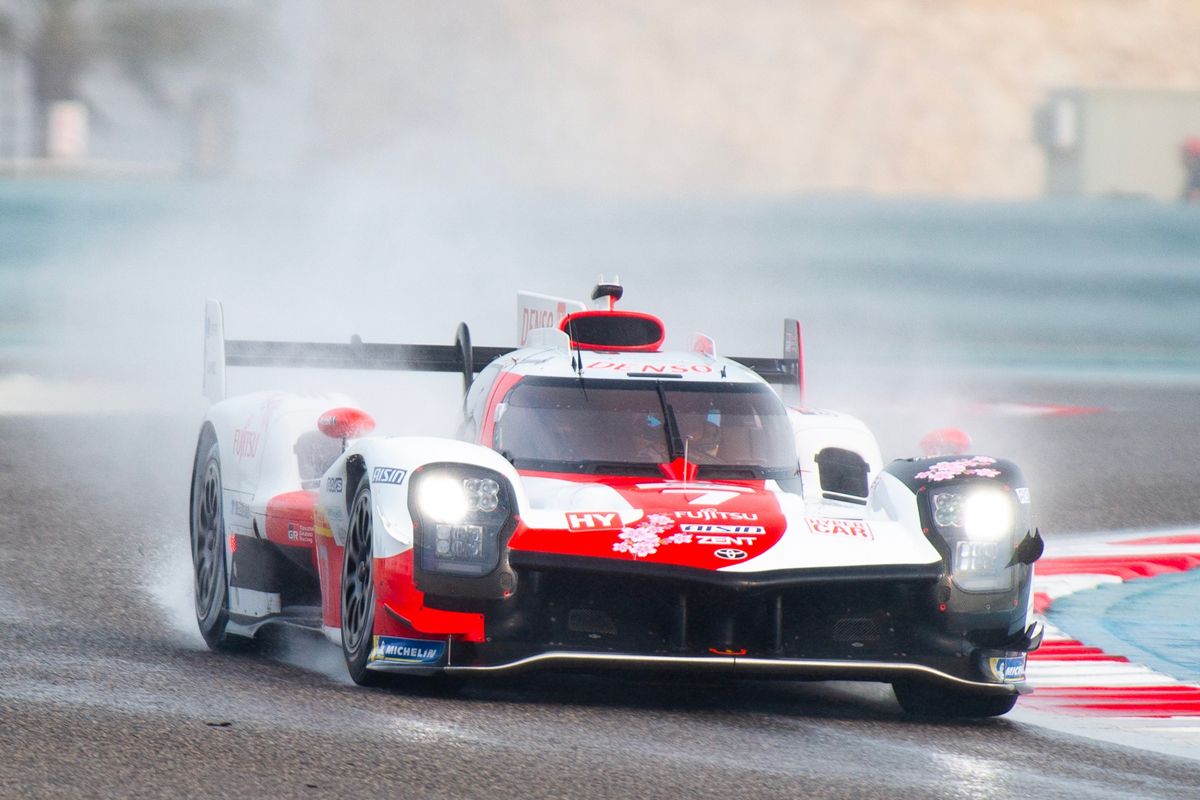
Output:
x=978 y=523
x=460 y=511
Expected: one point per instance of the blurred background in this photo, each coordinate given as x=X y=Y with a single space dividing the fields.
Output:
x=937 y=190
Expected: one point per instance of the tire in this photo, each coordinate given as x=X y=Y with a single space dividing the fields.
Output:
x=207 y=533
x=358 y=590
x=920 y=699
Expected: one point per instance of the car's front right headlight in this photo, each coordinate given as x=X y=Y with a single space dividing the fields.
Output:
x=460 y=511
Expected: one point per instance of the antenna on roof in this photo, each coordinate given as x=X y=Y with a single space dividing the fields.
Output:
x=612 y=291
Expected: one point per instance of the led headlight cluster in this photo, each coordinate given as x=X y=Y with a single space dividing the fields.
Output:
x=978 y=523
x=460 y=512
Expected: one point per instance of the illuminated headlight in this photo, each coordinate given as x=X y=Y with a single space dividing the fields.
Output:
x=983 y=513
x=460 y=513
x=978 y=523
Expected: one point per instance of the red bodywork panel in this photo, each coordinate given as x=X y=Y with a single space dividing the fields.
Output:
x=684 y=525
x=290 y=519
x=394 y=590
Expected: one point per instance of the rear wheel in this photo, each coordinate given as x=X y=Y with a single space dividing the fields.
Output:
x=920 y=699
x=208 y=546
x=358 y=590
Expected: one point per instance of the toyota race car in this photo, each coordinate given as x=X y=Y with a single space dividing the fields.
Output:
x=608 y=505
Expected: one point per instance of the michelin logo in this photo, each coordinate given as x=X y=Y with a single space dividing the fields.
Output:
x=395 y=650
x=1009 y=669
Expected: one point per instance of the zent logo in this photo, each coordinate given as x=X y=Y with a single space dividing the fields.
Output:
x=334 y=485
x=730 y=554
x=855 y=529
x=388 y=475
x=593 y=521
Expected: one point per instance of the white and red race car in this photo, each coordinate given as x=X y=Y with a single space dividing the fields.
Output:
x=608 y=505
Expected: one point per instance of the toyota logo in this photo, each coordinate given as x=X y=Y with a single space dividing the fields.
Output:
x=730 y=554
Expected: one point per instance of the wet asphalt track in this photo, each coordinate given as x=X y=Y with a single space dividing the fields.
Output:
x=105 y=689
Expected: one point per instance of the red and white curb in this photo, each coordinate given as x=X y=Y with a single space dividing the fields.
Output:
x=1081 y=689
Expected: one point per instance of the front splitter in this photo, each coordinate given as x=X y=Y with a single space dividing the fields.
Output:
x=738 y=666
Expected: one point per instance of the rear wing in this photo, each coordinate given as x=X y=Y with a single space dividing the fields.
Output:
x=461 y=357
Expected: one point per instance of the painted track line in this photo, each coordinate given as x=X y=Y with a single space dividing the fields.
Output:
x=1080 y=688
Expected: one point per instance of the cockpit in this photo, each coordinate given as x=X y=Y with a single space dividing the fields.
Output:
x=730 y=430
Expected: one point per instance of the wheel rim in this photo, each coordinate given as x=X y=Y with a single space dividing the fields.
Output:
x=206 y=544
x=358 y=591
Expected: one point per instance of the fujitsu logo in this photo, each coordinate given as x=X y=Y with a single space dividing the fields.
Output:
x=245 y=443
x=711 y=514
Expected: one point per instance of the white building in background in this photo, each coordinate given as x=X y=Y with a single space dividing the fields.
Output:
x=1114 y=142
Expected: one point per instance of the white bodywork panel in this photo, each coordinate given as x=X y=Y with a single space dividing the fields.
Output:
x=257 y=434
x=817 y=429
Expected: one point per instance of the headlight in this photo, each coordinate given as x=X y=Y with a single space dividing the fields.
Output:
x=460 y=513
x=978 y=523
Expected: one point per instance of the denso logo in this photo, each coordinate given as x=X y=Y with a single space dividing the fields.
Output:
x=534 y=318
x=245 y=443
x=660 y=369
x=593 y=521
x=855 y=529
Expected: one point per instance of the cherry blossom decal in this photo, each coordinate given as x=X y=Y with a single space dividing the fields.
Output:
x=945 y=470
x=645 y=539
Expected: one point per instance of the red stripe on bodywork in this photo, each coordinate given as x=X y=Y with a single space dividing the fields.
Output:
x=396 y=590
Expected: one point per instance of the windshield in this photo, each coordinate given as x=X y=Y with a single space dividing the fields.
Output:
x=728 y=430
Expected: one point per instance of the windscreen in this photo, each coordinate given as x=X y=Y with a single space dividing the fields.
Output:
x=728 y=430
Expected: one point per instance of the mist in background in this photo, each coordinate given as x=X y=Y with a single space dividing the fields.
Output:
x=392 y=168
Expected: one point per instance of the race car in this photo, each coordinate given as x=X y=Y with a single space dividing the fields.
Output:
x=608 y=505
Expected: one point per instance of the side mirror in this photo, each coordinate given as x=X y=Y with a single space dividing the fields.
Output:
x=345 y=423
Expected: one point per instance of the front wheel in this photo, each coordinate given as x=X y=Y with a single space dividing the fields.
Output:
x=921 y=699
x=358 y=590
